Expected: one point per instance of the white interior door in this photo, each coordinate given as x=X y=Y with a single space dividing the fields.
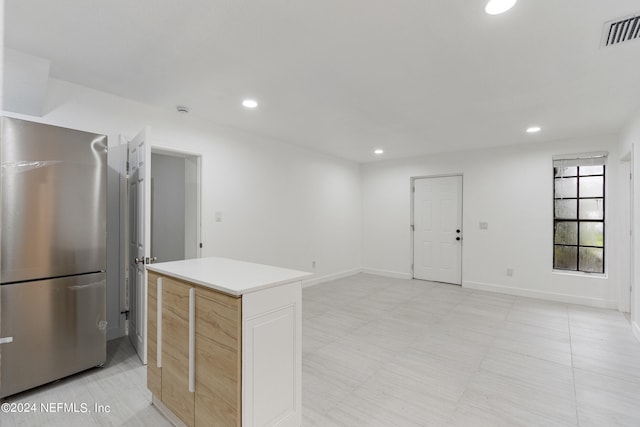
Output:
x=139 y=236
x=437 y=239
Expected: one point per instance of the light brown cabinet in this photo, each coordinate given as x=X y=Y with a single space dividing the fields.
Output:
x=154 y=378
x=175 y=350
x=215 y=398
x=218 y=359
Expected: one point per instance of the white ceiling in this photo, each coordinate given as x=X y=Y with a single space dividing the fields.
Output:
x=347 y=76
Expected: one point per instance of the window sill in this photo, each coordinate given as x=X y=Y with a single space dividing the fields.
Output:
x=581 y=274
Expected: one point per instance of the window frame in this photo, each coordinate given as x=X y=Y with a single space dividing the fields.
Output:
x=577 y=163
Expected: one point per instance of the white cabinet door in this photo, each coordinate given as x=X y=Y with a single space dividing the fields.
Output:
x=272 y=357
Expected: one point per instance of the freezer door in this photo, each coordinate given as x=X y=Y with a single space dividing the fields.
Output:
x=53 y=201
x=53 y=328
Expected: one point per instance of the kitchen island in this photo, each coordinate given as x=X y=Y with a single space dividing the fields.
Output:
x=224 y=342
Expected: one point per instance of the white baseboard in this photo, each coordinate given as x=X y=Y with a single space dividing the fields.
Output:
x=329 y=277
x=636 y=330
x=387 y=273
x=168 y=413
x=552 y=296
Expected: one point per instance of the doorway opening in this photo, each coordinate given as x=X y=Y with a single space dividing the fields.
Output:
x=437 y=228
x=175 y=206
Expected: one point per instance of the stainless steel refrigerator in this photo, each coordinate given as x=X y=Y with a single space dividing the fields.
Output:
x=53 y=259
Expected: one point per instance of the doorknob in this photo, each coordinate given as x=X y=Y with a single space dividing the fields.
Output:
x=458 y=231
x=457 y=238
x=138 y=260
x=153 y=259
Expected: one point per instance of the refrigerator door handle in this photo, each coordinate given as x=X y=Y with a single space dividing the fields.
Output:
x=6 y=340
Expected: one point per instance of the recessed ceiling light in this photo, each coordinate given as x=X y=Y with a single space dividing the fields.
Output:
x=533 y=129
x=250 y=103
x=496 y=7
x=378 y=151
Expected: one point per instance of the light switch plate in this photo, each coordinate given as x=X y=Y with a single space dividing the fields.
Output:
x=484 y=225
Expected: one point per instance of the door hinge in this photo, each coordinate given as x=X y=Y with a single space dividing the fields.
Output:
x=413 y=227
x=201 y=245
x=126 y=314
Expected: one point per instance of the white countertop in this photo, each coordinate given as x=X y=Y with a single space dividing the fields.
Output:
x=228 y=275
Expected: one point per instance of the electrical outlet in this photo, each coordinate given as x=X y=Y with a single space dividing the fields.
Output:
x=483 y=225
x=510 y=272
x=313 y=264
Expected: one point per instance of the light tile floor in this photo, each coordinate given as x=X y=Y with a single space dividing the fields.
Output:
x=119 y=388
x=386 y=352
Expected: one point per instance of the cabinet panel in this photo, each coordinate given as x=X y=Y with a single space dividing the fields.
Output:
x=272 y=357
x=175 y=349
x=218 y=359
x=154 y=373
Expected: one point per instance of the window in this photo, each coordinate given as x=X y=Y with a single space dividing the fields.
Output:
x=579 y=212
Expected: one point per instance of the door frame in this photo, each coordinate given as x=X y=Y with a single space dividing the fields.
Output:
x=625 y=290
x=634 y=225
x=635 y=240
x=632 y=232
x=412 y=182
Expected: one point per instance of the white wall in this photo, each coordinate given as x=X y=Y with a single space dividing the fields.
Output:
x=630 y=143
x=511 y=189
x=281 y=205
x=630 y=135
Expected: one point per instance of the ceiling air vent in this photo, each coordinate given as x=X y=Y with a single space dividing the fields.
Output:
x=621 y=30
